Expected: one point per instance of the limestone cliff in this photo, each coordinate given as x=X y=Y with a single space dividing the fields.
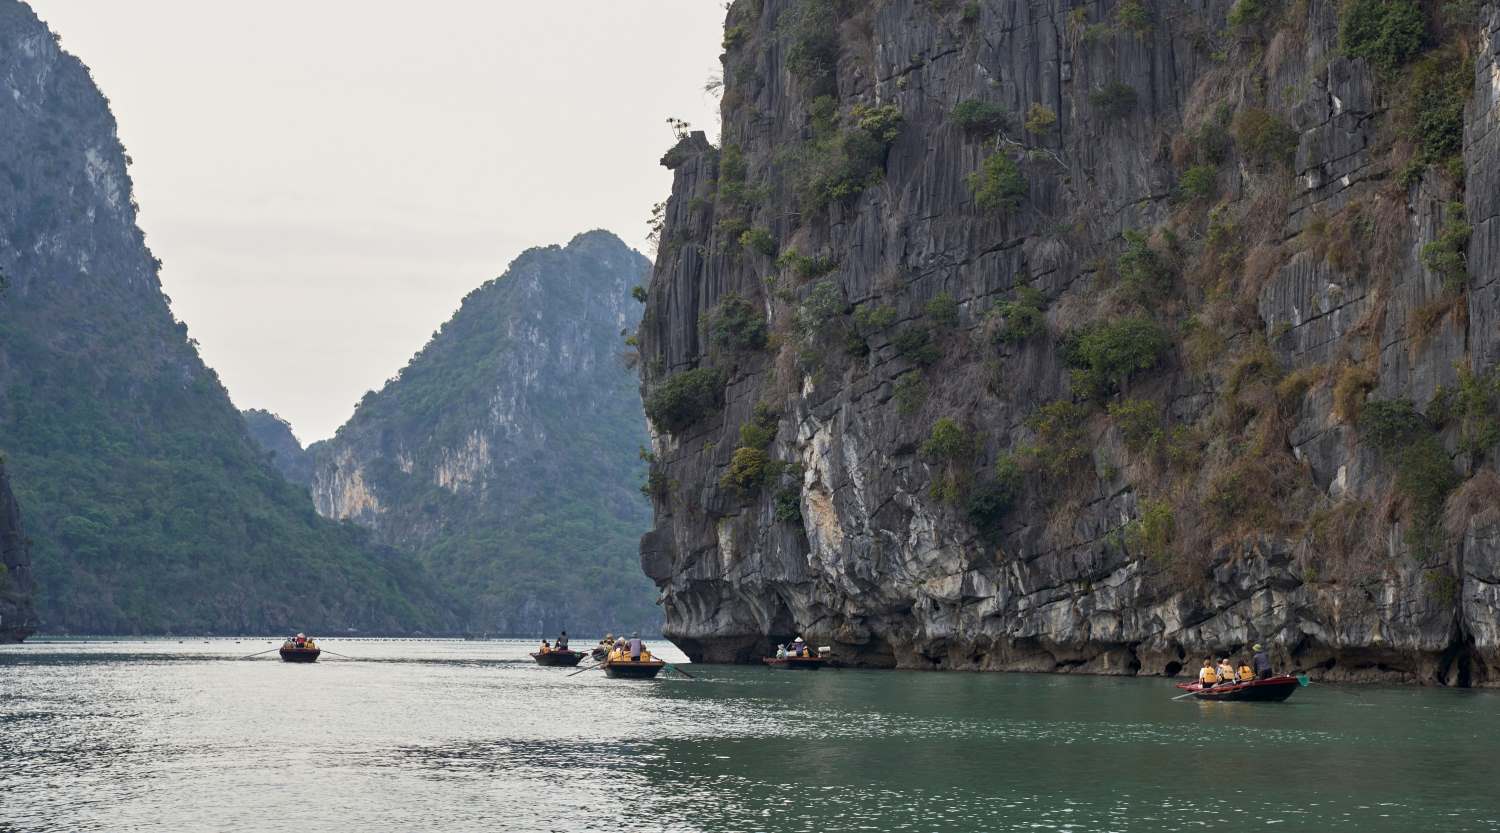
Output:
x=17 y=617
x=1093 y=337
x=506 y=454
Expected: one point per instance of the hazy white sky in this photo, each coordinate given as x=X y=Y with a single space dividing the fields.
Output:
x=326 y=180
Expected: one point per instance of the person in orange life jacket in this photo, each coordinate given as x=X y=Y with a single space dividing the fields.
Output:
x=1225 y=670
x=1207 y=676
x=1244 y=673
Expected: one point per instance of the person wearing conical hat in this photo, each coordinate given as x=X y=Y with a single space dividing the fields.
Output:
x=1261 y=663
x=799 y=647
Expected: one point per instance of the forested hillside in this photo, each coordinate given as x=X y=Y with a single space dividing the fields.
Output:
x=507 y=454
x=150 y=508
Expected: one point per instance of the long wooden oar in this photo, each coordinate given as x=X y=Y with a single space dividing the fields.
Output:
x=337 y=654
x=267 y=651
x=680 y=671
x=587 y=668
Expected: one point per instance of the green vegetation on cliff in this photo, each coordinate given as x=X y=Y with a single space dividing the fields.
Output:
x=505 y=455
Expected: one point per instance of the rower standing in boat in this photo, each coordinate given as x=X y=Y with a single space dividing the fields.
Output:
x=562 y=641
x=1261 y=663
x=799 y=647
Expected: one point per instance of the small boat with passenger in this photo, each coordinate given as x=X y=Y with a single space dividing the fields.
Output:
x=1269 y=690
x=299 y=648
x=555 y=658
x=625 y=668
x=796 y=663
x=799 y=656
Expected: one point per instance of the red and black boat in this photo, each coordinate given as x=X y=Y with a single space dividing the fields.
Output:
x=794 y=663
x=563 y=659
x=1269 y=690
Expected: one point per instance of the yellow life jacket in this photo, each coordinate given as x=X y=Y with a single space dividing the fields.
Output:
x=1208 y=675
x=1246 y=674
x=645 y=655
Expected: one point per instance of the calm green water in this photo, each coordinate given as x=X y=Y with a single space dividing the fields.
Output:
x=470 y=736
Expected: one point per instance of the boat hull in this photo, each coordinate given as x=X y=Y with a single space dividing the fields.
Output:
x=300 y=654
x=795 y=663
x=599 y=654
x=1271 y=690
x=563 y=659
x=628 y=670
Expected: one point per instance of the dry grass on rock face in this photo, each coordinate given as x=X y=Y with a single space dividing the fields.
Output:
x=1477 y=501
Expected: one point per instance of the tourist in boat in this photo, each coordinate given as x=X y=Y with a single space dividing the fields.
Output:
x=1225 y=670
x=562 y=641
x=1261 y=663
x=636 y=646
x=781 y=651
x=1207 y=675
x=1246 y=674
x=546 y=649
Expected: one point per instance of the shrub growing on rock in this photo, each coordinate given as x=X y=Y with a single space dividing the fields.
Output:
x=735 y=325
x=1197 y=183
x=993 y=498
x=1144 y=274
x=1039 y=118
x=1446 y=255
x=1387 y=33
x=997 y=186
x=749 y=468
x=1012 y=322
x=1264 y=137
x=1061 y=445
x=1114 y=100
x=678 y=403
x=1104 y=356
x=942 y=310
x=980 y=117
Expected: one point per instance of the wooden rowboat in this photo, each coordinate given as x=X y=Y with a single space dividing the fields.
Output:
x=1269 y=690
x=638 y=670
x=795 y=663
x=291 y=653
x=565 y=659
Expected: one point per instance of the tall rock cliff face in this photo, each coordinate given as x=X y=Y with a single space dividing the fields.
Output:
x=17 y=617
x=1089 y=338
x=506 y=455
x=150 y=507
